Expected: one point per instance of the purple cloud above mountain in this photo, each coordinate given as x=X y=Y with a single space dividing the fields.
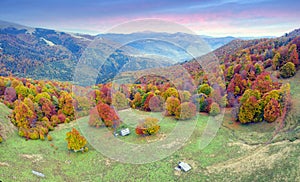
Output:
x=210 y=17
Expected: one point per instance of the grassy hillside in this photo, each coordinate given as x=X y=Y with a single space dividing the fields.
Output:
x=6 y=128
x=228 y=157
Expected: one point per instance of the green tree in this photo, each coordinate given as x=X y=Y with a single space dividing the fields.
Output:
x=288 y=70
x=230 y=72
x=205 y=89
x=22 y=91
x=258 y=68
x=214 y=109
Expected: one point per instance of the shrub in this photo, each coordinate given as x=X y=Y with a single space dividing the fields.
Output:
x=148 y=127
x=214 y=109
x=272 y=110
x=22 y=132
x=185 y=111
x=42 y=136
x=67 y=120
x=171 y=105
x=1 y=139
x=33 y=134
x=49 y=137
x=75 y=140
x=288 y=70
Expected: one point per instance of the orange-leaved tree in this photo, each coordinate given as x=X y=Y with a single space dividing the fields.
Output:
x=272 y=110
x=107 y=114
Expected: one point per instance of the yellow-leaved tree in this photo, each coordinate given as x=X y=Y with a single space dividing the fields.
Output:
x=76 y=142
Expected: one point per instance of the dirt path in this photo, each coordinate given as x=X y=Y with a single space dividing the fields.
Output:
x=256 y=157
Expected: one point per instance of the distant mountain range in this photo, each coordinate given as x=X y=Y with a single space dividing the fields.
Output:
x=49 y=54
x=263 y=46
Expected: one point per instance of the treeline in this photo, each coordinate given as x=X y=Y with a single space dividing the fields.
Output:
x=38 y=106
x=246 y=80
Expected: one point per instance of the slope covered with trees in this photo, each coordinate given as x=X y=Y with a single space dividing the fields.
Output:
x=28 y=52
x=251 y=86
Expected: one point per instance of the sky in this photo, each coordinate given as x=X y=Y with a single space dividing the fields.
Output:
x=205 y=17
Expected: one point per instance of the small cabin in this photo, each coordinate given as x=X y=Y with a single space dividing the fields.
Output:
x=184 y=166
x=124 y=132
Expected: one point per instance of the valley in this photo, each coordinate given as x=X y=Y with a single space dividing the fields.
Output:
x=230 y=113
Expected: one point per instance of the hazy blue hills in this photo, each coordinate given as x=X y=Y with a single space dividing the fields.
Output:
x=42 y=53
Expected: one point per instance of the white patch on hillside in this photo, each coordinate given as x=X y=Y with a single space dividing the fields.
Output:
x=78 y=36
x=48 y=42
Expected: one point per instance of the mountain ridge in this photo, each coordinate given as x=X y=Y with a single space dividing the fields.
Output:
x=41 y=53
